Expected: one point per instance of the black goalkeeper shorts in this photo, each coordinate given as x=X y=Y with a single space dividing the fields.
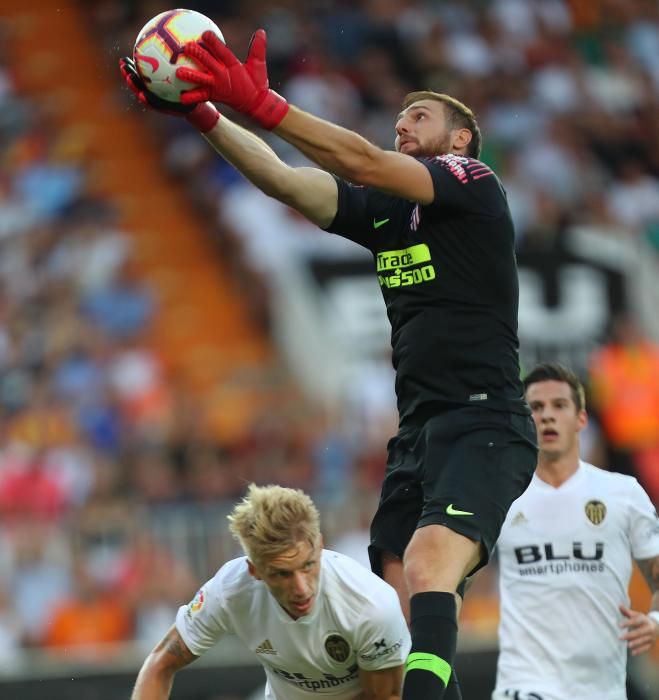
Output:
x=462 y=468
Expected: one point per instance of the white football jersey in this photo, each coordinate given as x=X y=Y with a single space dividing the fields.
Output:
x=565 y=561
x=356 y=622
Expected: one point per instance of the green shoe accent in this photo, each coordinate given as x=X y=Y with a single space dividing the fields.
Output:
x=421 y=661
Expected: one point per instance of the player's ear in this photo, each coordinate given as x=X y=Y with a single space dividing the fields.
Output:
x=582 y=419
x=461 y=138
x=253 y=571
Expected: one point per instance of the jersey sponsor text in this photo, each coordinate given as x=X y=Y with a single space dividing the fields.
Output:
x=395 y=261
x=326 y=681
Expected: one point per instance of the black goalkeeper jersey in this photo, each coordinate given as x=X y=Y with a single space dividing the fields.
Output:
x=448 y=276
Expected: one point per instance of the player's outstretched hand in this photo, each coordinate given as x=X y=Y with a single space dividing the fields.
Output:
x=641 y=630
x=242 y=86
x=201 y=115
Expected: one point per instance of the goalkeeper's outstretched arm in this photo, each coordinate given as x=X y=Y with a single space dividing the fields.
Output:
x=311 y=191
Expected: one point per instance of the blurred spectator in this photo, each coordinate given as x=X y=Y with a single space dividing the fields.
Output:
x=154 y=583
x=44 y=183
x=27 y=487
x=211 y=474
x=634 y=197
x=124 y=307
x=354 y=541
x=154 y=478
x=317 y=87
x=104 y=524
x=624 y=376
x=91 y=622
x=137 y=380
x=39 y=575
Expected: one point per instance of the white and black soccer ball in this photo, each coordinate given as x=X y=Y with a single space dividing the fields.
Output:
x=158 y=50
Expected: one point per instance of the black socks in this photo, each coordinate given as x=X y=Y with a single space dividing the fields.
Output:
x=434 y=630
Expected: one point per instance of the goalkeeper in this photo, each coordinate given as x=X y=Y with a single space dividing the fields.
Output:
x=438 y=225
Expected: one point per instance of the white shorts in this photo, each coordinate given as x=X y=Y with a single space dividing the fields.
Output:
x=512 y=694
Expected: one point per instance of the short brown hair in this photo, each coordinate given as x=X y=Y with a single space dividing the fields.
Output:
x=271 y=520
x=553 y=371
x=459 y=116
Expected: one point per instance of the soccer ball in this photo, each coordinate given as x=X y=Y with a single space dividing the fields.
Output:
x=158 y=50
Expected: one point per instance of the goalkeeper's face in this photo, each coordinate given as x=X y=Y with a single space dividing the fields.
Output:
x=422 y=130
x=292 y=577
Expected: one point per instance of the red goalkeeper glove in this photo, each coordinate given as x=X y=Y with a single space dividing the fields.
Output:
x=201 y=115
x=242 y=86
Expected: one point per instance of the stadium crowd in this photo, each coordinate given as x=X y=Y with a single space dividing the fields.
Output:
x=98 y=454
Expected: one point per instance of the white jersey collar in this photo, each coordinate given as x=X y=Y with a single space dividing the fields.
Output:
x=570 y=483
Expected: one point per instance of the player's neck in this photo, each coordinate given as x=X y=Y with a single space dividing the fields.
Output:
x=557 y=472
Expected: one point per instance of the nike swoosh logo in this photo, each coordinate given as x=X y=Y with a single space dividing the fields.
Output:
x=377 y=224
x=450 y=510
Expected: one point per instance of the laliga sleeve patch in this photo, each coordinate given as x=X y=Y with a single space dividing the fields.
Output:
x=197 y=603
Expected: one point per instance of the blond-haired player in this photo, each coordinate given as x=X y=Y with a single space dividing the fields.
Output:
x=318 y=622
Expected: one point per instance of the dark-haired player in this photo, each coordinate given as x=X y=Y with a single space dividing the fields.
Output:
x=565 y=560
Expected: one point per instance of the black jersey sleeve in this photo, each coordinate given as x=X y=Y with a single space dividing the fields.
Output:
x=465 y=184
x=359 y=211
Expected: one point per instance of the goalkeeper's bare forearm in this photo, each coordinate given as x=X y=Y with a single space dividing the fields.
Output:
x=311 y=191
